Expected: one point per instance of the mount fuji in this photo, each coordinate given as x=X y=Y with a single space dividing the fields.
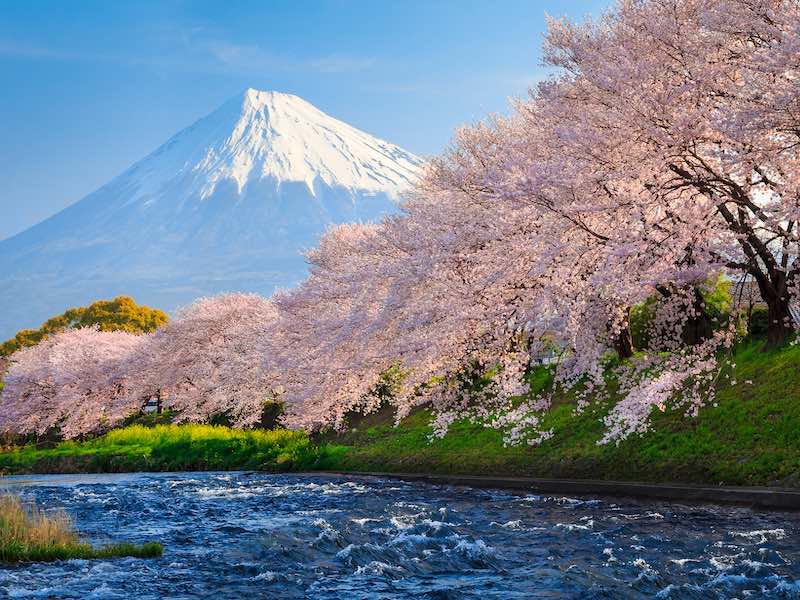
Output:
x=227 y=204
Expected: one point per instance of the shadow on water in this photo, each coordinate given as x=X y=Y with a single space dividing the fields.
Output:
x=303 y=536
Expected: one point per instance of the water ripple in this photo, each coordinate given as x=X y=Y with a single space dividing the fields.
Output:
x=233 y=535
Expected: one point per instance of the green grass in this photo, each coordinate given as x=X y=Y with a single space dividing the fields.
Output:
x=169 y=448
x=16 y=553
x=28 y=534
x=752 y=437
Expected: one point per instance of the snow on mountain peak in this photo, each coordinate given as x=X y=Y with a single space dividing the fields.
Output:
x=229 y=203
x=260 y=135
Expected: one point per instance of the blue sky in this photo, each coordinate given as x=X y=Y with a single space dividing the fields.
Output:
x=91 y=87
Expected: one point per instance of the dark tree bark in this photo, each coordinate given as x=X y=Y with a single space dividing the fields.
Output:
x=772 y=269
x=698 y=327
x=623 y=344
x=773 y=291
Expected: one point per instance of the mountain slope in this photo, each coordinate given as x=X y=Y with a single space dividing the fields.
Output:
x=227 y=204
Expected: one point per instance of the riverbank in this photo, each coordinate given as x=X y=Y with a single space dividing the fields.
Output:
x=749 y=437
x=755 y=497
x=169 y=448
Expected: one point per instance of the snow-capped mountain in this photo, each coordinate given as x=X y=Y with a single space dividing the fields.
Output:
x=227 y=204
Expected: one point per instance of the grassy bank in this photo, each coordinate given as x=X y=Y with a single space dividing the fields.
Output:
x=752 y=437
x=29 y=534
x=169 y=448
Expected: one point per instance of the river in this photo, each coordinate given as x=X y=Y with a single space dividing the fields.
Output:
x=255 y=535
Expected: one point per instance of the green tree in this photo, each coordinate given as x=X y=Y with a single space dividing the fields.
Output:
x=119 y=314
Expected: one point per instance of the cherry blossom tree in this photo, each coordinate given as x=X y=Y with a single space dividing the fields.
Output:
x=74 y=382
x=663 y=155
x=434 y=290
x=687 y=112
x=207 y=361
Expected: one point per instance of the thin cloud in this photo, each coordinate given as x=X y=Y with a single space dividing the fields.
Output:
x=197 y=53
x=20 y=49
x=337 y=63
x=246 y=58
x=241 y=57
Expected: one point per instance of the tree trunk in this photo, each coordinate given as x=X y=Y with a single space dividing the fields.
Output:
x=780 y=323
x=698 y=327
x=624 y=342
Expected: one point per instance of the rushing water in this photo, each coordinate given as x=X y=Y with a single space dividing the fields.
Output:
x=235 y=535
